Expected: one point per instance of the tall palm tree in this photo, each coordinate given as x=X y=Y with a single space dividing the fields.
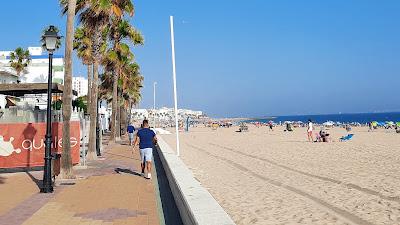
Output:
x=96 y=15
x=129 y=83
x=83 y=46
x=66 y=161
x=120 y=30
x=19 y=60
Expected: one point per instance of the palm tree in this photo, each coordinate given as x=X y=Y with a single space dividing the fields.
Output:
x=83 y=45
x=19 y=60
x=66 y=161
x=96 y=16
x=129 y=83
x=120 y=30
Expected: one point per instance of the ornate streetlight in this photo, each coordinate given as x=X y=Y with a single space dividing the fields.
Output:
x=50 y=38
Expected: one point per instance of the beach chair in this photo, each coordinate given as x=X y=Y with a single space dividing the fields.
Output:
x=347 y=137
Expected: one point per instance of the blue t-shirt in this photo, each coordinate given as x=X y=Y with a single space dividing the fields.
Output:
x=130 y=129
x=146 y=136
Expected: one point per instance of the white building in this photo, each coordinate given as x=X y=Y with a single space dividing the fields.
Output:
x=164 y=114
x=38 y=69
x=36 y=72
x=80 y=84
x=7 y=76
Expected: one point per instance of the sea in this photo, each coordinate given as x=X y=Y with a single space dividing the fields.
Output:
x=342 y=118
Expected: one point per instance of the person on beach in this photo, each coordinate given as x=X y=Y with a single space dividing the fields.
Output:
x=145 y=137
x=369 y=126
x=130 y=129
x=270 y=126
x=310 y=131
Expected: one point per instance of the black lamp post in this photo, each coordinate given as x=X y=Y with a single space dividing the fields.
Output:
x=50 y=37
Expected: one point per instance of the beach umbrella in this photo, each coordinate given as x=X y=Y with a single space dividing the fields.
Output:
x=328 y=124
x=382 y=124
x=390 y=123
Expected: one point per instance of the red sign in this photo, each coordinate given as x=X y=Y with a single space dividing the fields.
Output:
x=23 y=144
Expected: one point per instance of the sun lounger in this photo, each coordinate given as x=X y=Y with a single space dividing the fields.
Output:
x=347 y=137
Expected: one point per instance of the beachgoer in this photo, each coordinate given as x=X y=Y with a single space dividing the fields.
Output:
x=310 y=131
x=270 y=126
x=130 y=129
x=323 y=135
x=145 y=137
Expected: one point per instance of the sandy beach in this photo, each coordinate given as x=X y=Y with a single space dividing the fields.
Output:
x=277 y=177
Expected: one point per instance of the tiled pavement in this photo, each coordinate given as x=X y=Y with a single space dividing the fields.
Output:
x=109 y=191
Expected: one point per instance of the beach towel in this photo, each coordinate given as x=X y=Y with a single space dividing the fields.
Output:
x=347 y=137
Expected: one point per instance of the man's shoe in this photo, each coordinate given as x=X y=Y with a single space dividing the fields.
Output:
x=149 y=176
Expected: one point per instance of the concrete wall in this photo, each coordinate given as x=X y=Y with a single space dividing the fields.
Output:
x=18 y=115
x=195 y=204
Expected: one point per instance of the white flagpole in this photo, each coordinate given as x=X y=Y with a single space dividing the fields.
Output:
x=171 y=19
x=154 y=104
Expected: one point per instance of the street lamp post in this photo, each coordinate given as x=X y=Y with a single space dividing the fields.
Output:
x=50 y=37
x=154 y=103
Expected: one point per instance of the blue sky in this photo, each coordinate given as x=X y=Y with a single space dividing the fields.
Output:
x=253 y=58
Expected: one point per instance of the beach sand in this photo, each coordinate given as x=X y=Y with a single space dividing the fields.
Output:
x=277 y=177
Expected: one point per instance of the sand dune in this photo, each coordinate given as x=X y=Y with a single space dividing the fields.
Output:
x=276 y=177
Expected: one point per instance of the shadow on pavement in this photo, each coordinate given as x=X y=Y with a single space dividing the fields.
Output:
x=2 y=180
x=120 y=170
x=38 y=182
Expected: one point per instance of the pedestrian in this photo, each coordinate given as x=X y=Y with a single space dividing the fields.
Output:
x=310 y=131
x=271 y=126
x=130 y=129
x=145 y=137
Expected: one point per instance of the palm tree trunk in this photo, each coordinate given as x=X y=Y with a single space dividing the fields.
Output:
x=130 y=105
x=118 y=120
x=114 y=125
x=66 y=160
x=89 y=75
x=93 y=114
x=122 y=116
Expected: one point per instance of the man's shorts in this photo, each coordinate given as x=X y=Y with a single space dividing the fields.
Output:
x=130 y=136
x=146 y=154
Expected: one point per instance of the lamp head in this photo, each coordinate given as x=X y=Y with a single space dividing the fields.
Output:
x=51 y=37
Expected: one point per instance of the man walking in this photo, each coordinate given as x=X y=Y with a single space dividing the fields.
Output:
x=130 y=129
x=145 y=137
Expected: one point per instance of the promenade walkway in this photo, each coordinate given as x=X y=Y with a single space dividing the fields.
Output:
x=109 y=191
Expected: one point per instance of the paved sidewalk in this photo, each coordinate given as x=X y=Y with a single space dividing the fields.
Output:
x=109 y=191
